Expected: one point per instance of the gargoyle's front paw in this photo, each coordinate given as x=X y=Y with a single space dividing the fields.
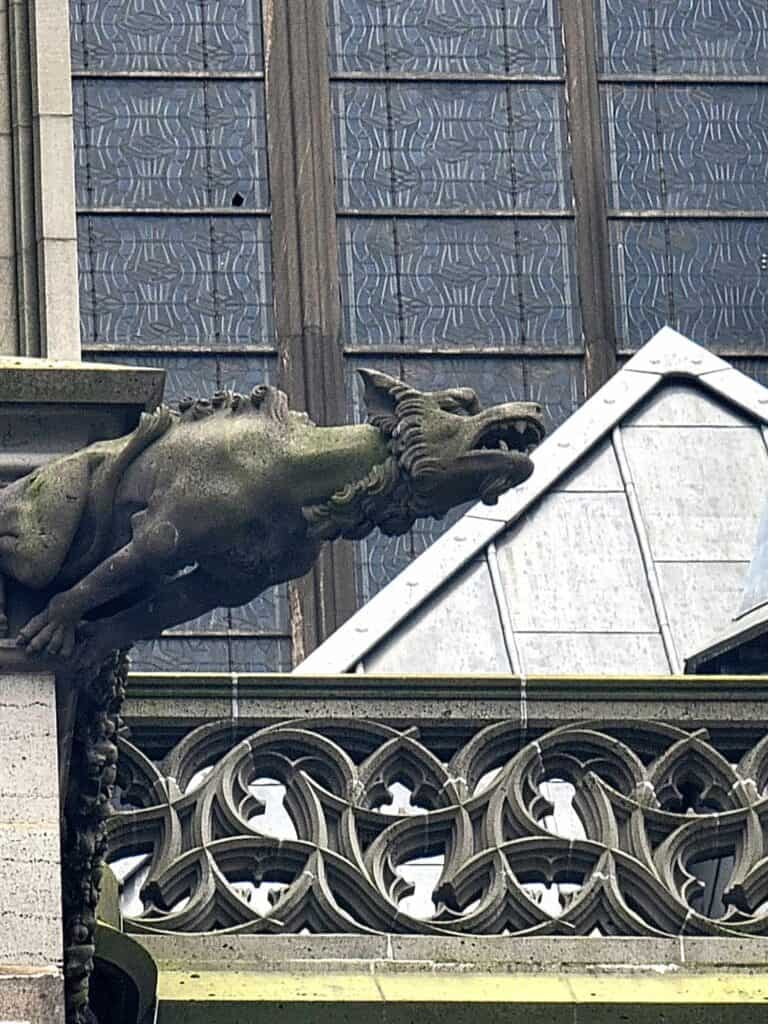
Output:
x=49 y=632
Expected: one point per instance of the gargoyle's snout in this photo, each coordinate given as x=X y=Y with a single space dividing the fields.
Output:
x=513 y=427
x=498 y=450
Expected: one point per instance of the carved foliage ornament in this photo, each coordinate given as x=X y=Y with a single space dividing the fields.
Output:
x=655 y=811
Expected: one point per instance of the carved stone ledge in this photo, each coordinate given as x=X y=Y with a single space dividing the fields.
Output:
x=49 y=408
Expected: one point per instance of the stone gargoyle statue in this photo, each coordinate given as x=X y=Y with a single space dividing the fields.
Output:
x=214 y=503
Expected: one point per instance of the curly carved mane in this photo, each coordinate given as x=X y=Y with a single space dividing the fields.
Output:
x=263 y=400
x=396 y=492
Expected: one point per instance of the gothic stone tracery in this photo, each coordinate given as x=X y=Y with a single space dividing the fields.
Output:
x=665 y=833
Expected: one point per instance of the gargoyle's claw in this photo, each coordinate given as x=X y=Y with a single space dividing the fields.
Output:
x=57 y=641
x=45 y=634
x=41 y=639
x=68 y=644
x=32 y=629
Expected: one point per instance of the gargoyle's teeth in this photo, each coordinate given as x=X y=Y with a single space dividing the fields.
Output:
x=504 y=446
x=521 y=426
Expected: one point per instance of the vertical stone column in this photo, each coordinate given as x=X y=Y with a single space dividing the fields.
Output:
x=31 y=973
x=39 y=313
x=9 y=333
x=47 y=409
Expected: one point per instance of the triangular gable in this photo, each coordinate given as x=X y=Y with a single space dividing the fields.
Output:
x=667 y=356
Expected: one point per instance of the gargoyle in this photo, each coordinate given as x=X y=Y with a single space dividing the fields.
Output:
x=211 y=505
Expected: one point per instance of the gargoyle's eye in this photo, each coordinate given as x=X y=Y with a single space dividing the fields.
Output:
x=461 y=401
x=451 y=405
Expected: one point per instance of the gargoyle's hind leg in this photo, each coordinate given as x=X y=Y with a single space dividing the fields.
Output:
x=140 y=561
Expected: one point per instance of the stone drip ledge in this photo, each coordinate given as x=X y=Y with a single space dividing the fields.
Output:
x=489 y=954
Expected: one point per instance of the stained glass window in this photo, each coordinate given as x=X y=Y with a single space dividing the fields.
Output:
x=700 y=37
x=685 y=127
x=452 y=36
x=166 y=35
x=174 y=237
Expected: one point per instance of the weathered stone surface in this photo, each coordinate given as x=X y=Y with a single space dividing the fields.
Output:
x=31 y=982
x=46 y=381
x=31 y=997
x=30 y=891
x=428 y=953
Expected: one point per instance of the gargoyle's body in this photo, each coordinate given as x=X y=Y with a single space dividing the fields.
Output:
x=213 y=505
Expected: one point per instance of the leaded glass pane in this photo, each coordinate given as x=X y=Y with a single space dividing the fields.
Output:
x=212 y=654
x=495 y=379
x=214 y=621
x=378 y=559
x=166 y=35
x=702 y=277
x=455 y=36
x=458 y=282
x=260 y=654
x=181 y=654
x=266 y=613
x=176 y=281
x=686 y=147
x=720 y=37
x=450 y=145
x=198 y=376
x=151 y=143
x=243 y=372
x=557 y=384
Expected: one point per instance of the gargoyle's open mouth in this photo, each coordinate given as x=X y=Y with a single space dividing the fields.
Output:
x=499 y=453
x=519 y=435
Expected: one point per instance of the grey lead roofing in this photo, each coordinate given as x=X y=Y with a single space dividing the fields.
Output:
x=624 y=553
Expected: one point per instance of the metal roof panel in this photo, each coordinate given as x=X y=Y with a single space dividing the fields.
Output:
x=464 y=628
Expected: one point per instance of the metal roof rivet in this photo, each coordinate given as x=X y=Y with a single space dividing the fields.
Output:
x=564 y=444
x=655 y=362
x=411 y=583
x=609 y=401
x=361 y=629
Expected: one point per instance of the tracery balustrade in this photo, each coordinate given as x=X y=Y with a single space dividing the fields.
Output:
x=639 y=829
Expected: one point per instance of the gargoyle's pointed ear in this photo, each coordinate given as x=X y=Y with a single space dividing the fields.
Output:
x=380 y=398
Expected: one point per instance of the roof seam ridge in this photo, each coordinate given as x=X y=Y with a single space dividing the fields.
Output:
x=638 y=523
x=514 y=653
